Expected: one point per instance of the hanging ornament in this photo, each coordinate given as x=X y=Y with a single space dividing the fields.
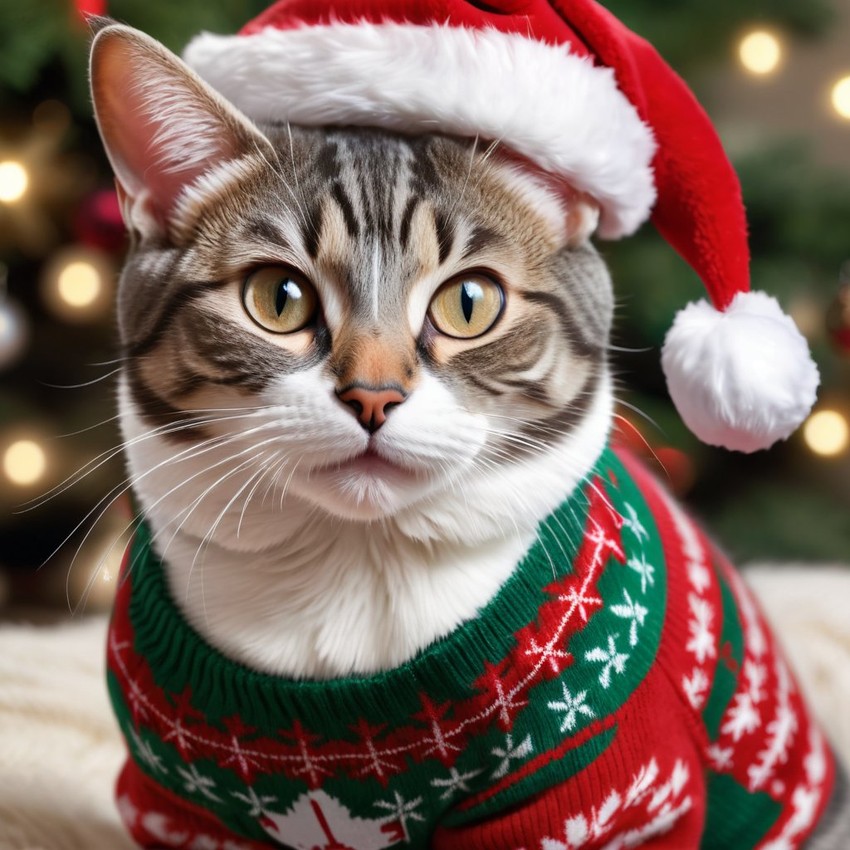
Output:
x=838 y=314
x=86 y=8
x=98 y=222
x=14 y=326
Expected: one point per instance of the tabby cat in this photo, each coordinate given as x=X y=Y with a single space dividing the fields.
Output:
x=360 y=369
x=391 y=586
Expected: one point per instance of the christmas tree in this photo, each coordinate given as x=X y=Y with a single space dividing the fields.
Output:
x=61 y=243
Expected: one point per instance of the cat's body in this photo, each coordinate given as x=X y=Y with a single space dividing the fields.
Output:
x=361 y=370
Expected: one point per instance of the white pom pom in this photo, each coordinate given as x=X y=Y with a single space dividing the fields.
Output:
x=743 y=378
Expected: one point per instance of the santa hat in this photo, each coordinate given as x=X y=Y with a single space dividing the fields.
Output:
x=569 y=87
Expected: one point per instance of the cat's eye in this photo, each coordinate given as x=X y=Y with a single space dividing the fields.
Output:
x=467 y=306
x=279 y=299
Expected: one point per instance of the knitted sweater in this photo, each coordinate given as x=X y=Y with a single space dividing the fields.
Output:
x=620 y=689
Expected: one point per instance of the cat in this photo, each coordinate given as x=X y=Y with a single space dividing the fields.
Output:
x=362 y=372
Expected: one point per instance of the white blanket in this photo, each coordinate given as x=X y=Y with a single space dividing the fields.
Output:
x=60 y=750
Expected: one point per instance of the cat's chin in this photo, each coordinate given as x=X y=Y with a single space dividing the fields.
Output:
x=366 y=487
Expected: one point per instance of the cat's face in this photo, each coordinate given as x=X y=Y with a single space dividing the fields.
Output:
x=356 y=319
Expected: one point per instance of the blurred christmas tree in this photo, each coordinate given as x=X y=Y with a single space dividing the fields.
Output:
x=61 y=243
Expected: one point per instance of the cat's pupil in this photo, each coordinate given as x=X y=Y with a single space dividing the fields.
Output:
x=283 y=295
x=469 y=293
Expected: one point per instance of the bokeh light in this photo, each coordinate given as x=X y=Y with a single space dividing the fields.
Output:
x=24 y=462
x=841 y=98
x=826 y=433
x=760 y=52
x=14 y=181
x=79 y=283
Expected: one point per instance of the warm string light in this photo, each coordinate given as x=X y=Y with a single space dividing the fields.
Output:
x=76 y=284
x=826 y=433
x=841 y=98
x=79 y=284
x=24 y=463
x=760 y=52
x=14 y=181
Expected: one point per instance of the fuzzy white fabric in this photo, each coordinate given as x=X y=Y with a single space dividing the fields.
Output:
x=742 y=378
x=60 y=750
x=554 y=107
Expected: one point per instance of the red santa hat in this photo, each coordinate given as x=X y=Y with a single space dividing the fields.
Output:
x=568 y=86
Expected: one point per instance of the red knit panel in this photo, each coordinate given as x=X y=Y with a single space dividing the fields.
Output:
x=653 y=759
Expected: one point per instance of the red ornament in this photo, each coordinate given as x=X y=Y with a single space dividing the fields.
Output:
x=86 y=8
x=678 y=467
x=838 y=320
x=98 y=222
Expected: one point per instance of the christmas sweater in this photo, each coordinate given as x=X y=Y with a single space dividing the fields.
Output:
x=620 y=689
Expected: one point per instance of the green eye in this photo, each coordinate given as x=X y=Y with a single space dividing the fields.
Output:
x=279 y=299
x=467 y=306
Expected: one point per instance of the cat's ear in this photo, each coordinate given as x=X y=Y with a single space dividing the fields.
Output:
x=582 y=217
x=163 y=127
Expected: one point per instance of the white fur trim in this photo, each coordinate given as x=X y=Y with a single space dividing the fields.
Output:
x=557 y=109
x=743 y=378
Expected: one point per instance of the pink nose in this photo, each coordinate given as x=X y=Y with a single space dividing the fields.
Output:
x=371 y=405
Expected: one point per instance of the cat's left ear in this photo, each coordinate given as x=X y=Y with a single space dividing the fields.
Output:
x=163 y=128
x=582 y=217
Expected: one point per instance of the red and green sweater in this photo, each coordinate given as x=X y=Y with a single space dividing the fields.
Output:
x=621 y=689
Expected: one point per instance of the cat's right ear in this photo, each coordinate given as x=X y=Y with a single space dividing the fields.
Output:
x=163 y=128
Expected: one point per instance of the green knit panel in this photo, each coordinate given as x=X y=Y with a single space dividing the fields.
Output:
x=736 y=818
x=729 y=664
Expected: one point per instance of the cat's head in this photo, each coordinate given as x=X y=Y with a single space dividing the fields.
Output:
x=362 y=321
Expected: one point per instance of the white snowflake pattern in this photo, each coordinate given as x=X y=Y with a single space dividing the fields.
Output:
x=720 y=757
x=196 y=783
x=701 y=642
x=257 y=802
x=146 y=753
x=402 y=811
x=243 y=760
x=554 y=657
x=642 y=783
x=137 y=699
x=633 y=611
x=510 y=753
x=572 y=706
x=179 y=733
x=610 y=658
x=634 y=524
x=581 y=602
x=666 y=805
x=456 y=781
x=696 y=687
x=699 y=576
x=756 y=676
x=645 y=570
x=128 y=811
x=781 y=731
x=742 y=718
